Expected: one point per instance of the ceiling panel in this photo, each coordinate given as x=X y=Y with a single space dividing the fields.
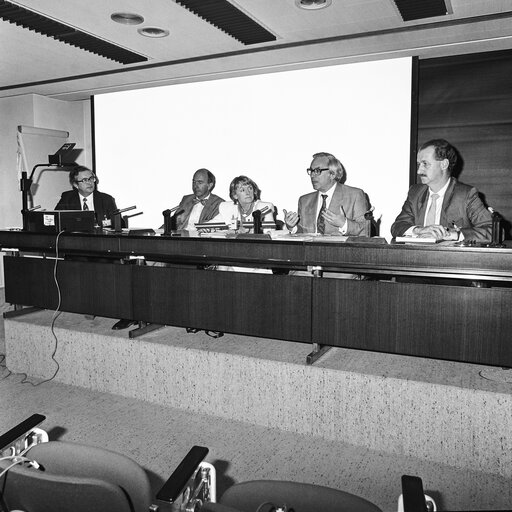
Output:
x=348 y=30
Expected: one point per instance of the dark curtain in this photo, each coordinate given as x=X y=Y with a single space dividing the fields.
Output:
x=467 y=99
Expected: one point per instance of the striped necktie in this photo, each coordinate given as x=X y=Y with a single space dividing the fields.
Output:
x=320 y=221
x=85 y=204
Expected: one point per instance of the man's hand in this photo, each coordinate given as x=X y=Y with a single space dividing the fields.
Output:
x=436 y=231
x=291 y=219
x=337 y=220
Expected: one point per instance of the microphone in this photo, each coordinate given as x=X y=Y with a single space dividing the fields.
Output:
x=170 y=221
x=256 y=215
x=168 y=212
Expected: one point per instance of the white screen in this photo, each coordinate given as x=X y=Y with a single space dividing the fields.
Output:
x=149 y=142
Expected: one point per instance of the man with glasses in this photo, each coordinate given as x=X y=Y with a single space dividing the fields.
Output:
x=84 y=196
x=334 y=208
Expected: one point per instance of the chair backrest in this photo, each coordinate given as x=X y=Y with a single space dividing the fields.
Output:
x=251 y=496
x=75 y=477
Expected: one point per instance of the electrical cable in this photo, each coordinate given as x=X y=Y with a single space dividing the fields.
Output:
x=56 y=314
x=17 y=460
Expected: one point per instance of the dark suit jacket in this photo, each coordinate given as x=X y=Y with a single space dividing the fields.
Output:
x=354 y=204
x=461 y=205
x=104 y=204
x=210 y=209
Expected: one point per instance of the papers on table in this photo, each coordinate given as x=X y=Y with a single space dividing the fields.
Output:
x=416 y=240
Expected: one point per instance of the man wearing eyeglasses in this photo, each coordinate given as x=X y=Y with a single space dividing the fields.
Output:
x=84 y=196
x=334 y=208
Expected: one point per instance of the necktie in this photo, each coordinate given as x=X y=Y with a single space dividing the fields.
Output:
x=430 y=219
x=202 y=201
x=320 y=221
x=85 y=204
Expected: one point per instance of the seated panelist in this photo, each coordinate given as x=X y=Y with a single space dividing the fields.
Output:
x=201 y=206
x=440 y=206
x=334 y=208
x=85 y=196
x=245 y=195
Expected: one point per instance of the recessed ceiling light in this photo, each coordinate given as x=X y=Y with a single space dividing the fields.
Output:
x=312 y=4
x=153 y=32
x=127 y=18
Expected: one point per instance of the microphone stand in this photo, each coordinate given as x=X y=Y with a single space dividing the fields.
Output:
x=118 y=222
x=25 y=185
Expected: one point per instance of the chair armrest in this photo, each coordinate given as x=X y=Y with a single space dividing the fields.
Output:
x=177 y=482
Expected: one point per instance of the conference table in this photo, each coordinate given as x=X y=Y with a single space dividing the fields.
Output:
x=440 y=301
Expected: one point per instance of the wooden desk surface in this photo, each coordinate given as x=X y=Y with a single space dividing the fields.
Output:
x=474 y=263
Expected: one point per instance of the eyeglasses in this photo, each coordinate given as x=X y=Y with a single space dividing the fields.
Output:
x=90 y=179
x=317 y=171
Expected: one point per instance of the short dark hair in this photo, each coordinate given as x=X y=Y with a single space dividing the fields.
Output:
x=73 y=174
x=442 y=149
x=240 y=181
x=210 y=176
x=334 y=164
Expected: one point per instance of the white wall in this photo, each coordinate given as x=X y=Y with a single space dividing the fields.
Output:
x=42 y=112
x=149 y=142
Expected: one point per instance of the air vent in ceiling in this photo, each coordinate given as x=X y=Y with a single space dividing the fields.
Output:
x=66 y=34
x=225 y=16
x=420 y=9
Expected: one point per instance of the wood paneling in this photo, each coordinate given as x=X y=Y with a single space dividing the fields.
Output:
x=447 y=322
x=265 y=305
x=102 y=289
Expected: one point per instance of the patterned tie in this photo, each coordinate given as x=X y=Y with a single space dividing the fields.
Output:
x=202 y=201
x=430 y=219
x=320 y=221
x=85 y=204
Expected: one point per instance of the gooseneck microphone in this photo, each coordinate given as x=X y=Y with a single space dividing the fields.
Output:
x=170 y=220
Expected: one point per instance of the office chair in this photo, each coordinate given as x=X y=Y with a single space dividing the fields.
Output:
x=192 y=488
x=57 y=476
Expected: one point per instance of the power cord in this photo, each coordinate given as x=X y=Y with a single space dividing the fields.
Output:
x=18 y=459
x=56 y=314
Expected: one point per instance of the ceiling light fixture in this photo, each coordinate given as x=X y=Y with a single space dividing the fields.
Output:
x=153 y=32
x=312 y=5
x=127 y=18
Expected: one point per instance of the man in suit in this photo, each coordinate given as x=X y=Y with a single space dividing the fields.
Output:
x=201 y=206
x=84 y=196
x=441 y=207
x=334 y=208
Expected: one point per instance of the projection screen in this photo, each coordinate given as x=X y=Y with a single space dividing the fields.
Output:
x=149 y=142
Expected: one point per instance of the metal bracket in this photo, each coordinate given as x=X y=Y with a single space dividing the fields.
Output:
x=143 y=328
x=317 y=352
x=316 y=270
x=20 y=311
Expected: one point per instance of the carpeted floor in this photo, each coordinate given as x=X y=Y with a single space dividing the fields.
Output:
x=158 y=437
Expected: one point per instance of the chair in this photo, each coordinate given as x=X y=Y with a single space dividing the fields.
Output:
x=261 y=495
x=194 y=481
x=75 y=477
x=38 y=475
